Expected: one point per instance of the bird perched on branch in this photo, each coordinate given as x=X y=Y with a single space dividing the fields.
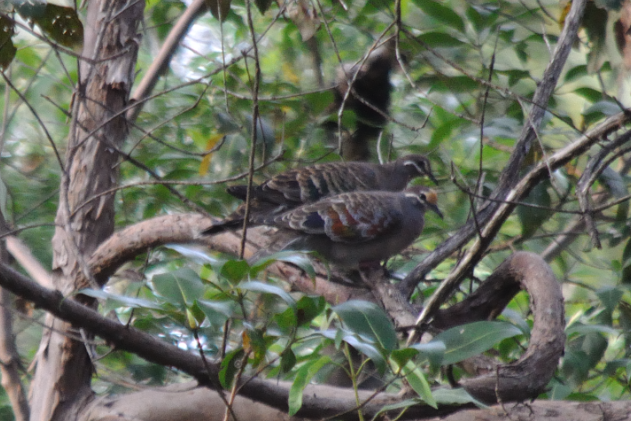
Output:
x=352 y=230
x=299 y=186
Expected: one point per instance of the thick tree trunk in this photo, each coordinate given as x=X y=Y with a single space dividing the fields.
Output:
x=62 y=380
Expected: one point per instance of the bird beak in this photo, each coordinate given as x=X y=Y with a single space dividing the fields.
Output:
x=434 y=208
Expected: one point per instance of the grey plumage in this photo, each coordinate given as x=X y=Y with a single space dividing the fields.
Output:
x=353 y=229
x=299 y=186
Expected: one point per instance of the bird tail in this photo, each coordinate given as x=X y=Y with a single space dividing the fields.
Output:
x=239 y=191
x=260 y=213
x=221 y=226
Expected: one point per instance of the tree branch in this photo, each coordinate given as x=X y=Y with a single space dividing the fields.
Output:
x=509 y=175
x=516 y=382
x=494 y=221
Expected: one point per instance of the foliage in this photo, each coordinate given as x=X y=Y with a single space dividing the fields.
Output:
x=464 y=63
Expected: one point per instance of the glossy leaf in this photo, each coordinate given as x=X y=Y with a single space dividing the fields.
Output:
x=533 y=217
x=416 y=379
x=455 y=397
x=235 y=270
x=269 y=289
x=287 y=361
x=263 y=5
x=441 y=13
x=302 y=379
x=123 y=300
x=219 y=8
x=472 y=339
x=440 y=40
x=434 y=351
x=60 y=23
x=368 y=320
x=181 y=286
x=230 y=367
x=369 y=350
x=7 y=49
x=294 y=257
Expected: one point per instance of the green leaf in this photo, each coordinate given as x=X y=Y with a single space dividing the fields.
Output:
x=286 y=321
x=472 y=339
x=308 y=308
x=263 y=5
x=416 y=379
x=235 y=271
x=217 y=312
x=532 y=218
x=368 y=320
x=626 y=268
x=297 y=258
x=610 y=297
x=515 y=76
x=61 y=24
x=516 y=319
x=219 y=9
x=124 y=301
x=194 y=254
x=616 y=184
x=434 y=351
x=481 y=17
x=181 y=286
x=440 y=40
x=402 y=356
x=576 y=73
x=257 y=286
x=444 y=131
x=368 y=350
x=441 y=13
x=302 y=379
x=403 y=405
x=455 y=397
x=230 y=367
x=600 y=110
x=589 y=94
x=287 y=361
x=583 y=329
x=256 y=342
x=7 y=49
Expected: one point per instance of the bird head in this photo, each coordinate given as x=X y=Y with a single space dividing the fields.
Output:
x=427 y=197
x=418 y=165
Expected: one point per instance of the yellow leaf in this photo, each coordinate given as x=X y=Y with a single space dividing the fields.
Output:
x=289 y=73
x=205 y=164
x=246 y=341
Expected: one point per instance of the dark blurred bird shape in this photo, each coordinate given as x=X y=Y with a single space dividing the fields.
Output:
x=299 y=186
x=352 y=230
x=369 y=98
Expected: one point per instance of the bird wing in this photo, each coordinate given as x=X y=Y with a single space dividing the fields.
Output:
x=350 y=218
x=310 y=184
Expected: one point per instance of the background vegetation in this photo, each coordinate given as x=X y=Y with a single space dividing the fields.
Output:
x=464 y=77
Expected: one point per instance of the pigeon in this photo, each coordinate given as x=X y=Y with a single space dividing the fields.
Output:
x=299 y=186
x=357 y=229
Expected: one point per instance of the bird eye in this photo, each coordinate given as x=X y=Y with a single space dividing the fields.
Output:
x=422 y=196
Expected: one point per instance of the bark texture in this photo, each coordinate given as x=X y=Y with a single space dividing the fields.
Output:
x=62 y=378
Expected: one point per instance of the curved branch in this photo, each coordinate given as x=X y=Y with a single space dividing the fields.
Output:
x=515 y=380
x=136 y=239
x=528 y=376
